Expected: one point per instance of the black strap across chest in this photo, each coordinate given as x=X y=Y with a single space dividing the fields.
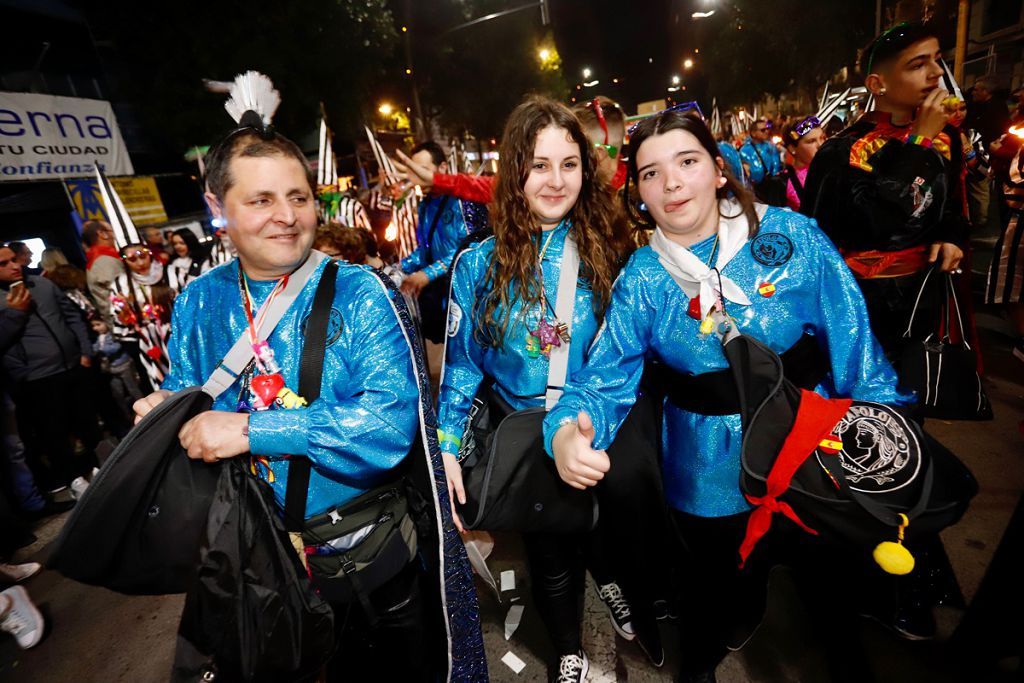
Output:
x=311 y=369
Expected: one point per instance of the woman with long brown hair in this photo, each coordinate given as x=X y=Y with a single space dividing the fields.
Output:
x=712 y=252
x=503 y=332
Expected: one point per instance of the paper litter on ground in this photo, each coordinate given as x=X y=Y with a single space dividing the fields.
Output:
x=512 y=620
x=513 y=662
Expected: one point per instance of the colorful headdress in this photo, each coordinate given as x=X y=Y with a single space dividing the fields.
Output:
x=685 y=107
x=125 y=232
x=253 y=102
x=803 y=128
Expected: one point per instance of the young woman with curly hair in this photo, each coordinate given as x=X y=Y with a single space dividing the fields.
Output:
x=503 y=298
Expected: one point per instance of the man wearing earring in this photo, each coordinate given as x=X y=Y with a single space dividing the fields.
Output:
x=887 y=190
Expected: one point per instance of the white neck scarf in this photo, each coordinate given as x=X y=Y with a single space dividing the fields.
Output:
x=153 y=276
x=692 y=275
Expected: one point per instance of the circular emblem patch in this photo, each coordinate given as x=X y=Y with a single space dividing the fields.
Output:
x=879 y=452
x=771 y=249
x=454 y=318
x=334 y=325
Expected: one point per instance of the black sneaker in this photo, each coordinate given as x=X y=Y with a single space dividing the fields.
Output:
x=573 y=668
x=650 y=643
x=618 y=609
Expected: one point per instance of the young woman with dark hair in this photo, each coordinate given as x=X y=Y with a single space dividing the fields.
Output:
x=802 y=138
x=190 y=259
x=547 y=200
x=782 y=282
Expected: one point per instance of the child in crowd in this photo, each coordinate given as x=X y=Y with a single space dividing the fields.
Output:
x=115 y=362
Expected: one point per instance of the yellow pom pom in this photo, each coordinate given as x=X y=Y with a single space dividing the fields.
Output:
x=893 y=558
x=707 y=325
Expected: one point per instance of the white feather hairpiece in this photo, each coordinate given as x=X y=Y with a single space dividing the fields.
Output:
x=252 y=91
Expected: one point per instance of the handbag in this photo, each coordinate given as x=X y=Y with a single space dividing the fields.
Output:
x=943 y=373
x=855 y=472
x=511 y=484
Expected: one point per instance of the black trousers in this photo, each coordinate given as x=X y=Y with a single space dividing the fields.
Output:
x=51 y=412
x=393 y=648
x=722 y=604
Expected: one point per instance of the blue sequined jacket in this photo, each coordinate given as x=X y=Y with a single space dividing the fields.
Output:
x=365 y=420
x=518 y=375
x=434 y=253
x=814 y=293
x=762 y=158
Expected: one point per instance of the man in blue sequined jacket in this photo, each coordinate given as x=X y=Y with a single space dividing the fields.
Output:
x=366 y=426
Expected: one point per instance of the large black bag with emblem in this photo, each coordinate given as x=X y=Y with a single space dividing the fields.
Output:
x=854 y=472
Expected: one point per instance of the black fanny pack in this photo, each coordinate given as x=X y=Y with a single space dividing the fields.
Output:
x=356 y=548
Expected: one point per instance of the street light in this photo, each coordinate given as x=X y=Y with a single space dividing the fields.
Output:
x=544 y=54
x=702 y=15
x=687 y=63
x=385 y=109
x=675 y=80
x=586 y=73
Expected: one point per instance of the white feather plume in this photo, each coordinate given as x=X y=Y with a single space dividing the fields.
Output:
x=252 y=91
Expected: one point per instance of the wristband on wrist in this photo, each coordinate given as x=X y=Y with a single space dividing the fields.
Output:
x=919 y=140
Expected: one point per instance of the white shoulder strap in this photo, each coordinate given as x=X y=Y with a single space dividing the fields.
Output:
x=558 y=364
x=241 y=353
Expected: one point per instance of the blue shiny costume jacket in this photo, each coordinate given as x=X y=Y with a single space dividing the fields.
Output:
x=364 y=422
x=519 y=378
x=374 y=398
x=814 y=293
x=731 y=157
x=457 y=220
x=769 y=155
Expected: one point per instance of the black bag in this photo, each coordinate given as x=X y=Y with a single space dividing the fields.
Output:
x=846 y=469
x=511 y=483
x=943 y=374
x=253 y=614
x=359 y=546
x=137 y=529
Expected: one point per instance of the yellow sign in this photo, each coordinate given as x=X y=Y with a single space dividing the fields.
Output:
x=141 y=198
x=138 y=193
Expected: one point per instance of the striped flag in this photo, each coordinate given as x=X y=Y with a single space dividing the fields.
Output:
x=403 y=213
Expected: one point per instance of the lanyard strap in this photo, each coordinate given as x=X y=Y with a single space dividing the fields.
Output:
x=558 y=362
x=234 y=362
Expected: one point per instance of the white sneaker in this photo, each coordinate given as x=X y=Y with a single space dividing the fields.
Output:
x=618 y=609
x=20 y=618
x=573 y=668
x=78 y=487
x=16 y=573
